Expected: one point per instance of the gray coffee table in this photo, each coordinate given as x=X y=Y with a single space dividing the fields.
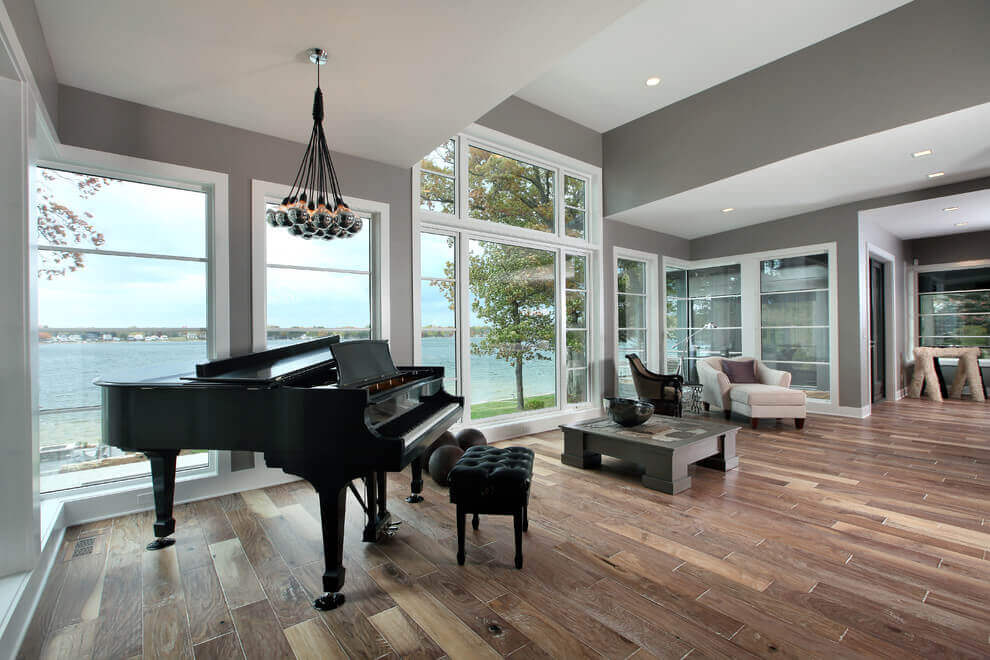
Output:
x=664 y=446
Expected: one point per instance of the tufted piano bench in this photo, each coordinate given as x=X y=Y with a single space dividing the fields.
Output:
x=492 y=480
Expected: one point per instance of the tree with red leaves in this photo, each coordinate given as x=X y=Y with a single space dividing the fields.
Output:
x=60 y=225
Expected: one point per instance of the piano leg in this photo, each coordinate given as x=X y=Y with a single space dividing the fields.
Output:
x=163 y=485
x=382 y=501
x=379 y=519
x=333 y=509
x=417 y=481
x=371 y=508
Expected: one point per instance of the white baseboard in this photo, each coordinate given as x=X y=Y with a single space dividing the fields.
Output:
x=845 y=411
x=26 y=590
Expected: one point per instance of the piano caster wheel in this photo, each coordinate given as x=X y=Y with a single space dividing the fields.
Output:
x=414 y=498
x=392 y=528
x=329 y=601
x=158 y=544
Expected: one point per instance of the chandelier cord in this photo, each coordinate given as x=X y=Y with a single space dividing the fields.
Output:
x=315 y=207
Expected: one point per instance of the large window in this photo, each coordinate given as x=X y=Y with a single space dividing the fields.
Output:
x=318 y=288
x=576 y=301
x=794 y=319
x=510 y=191
x=704 y=315
x=633 y=319
x=954 y=308
x=505 y=278
x=123 y=285
x=438 y=304
x=438 y=192
x=513 y=328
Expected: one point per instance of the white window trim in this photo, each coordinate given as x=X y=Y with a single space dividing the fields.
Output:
x=466 y=229
x=653 y=358
x=99 y=163
x=749 y=264
x=266 y=191
x=911 y=341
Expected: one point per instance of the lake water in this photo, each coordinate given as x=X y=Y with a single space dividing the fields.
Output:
x=66 y=371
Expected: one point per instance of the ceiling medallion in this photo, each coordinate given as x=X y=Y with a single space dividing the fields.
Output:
x=314 y=207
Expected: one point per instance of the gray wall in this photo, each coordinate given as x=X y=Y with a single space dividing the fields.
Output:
x=619 y=234
x=24 y=17
x=101 y=122
x=532 y=123
x=954 y=247
x=861 y=81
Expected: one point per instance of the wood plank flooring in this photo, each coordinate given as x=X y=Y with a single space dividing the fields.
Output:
x=851 y=538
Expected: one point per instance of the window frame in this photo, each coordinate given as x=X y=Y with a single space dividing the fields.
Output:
x=78 y=160
x=652 y=261
x=752 y=323
x=914 y=312
x=263 y=192
x=465 y=229
x=458 y=301
x=690 y=310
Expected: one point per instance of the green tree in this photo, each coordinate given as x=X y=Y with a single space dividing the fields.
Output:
x=513 y=292
x=513 y=288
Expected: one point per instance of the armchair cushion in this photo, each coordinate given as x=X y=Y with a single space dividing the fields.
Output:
x=740 y=371
x=757 y=394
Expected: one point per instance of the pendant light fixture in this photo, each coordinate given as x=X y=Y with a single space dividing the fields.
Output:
x=314 y=207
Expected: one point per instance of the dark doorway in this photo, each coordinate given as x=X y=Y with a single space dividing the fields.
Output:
x=878 y=332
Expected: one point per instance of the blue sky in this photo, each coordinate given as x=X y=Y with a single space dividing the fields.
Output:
x=113 y=291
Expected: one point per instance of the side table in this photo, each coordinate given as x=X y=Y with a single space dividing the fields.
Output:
x=694 y=396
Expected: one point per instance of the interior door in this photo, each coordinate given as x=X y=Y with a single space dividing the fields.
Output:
x=878 y=335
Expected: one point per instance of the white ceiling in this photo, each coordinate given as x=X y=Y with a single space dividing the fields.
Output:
x=402 y=75
x=691 y=45
x=928 y=217
x=875 y=165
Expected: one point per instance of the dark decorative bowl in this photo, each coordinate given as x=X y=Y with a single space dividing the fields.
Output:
x=629 y=412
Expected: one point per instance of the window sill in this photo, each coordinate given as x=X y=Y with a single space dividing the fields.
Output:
x=508 y=427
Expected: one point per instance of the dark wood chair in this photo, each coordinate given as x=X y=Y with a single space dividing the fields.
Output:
x=664 y=392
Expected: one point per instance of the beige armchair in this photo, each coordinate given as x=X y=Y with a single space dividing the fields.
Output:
x=770 y=398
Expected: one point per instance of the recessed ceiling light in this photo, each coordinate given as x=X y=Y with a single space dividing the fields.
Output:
x=728 y=210
x=961 y=224
x=935 y=175
x=653 y=81
x=923 y=152
x=951 y=208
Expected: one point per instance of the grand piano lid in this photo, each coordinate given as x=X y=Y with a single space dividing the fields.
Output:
x=363 y=361
x=267 y=367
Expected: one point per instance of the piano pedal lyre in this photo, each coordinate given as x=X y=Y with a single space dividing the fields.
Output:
x=329 y=601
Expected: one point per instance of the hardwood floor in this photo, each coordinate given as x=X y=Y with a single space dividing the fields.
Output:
x=851 y=538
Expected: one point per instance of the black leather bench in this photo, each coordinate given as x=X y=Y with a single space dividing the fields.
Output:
x=492 y=480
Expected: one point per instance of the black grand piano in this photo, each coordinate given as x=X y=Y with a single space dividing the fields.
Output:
x=325 y=410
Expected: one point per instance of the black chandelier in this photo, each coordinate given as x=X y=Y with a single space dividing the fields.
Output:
x=314 y=207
